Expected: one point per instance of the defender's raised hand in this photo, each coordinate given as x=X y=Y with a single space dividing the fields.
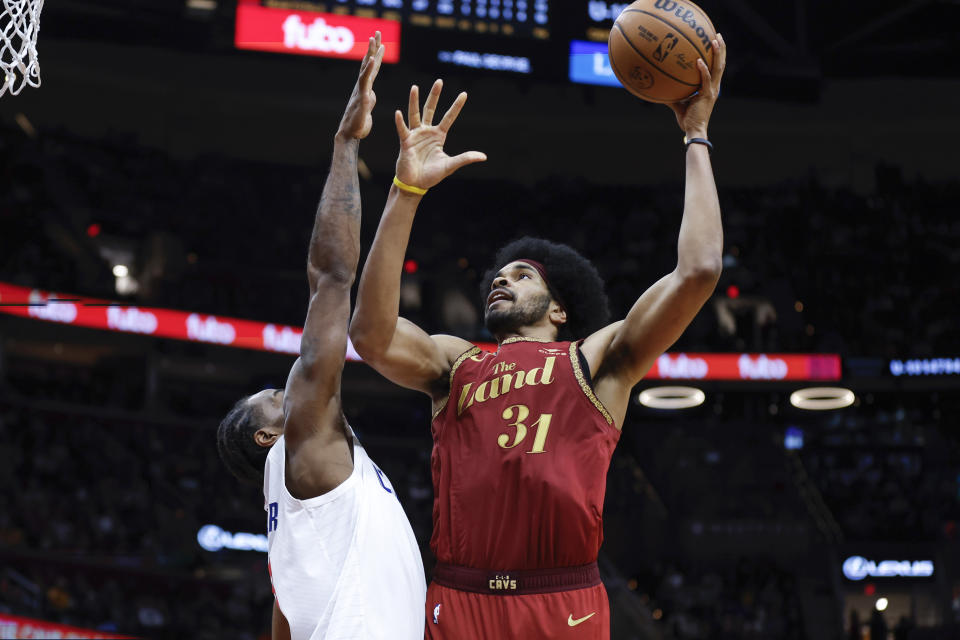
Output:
x=357 y=118
x=693 y=115
x=423 y=163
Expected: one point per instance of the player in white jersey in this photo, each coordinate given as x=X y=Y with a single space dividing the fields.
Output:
x=342 y=557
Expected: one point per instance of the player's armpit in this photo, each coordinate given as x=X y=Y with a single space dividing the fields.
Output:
x=622 y=353
x=280 y=627
x=413 y=358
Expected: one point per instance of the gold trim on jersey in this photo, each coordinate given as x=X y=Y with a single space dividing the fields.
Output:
x=524 y=339
x=578 y=372
x=469 y=353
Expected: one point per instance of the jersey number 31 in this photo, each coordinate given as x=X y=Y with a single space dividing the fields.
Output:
x=521 y=412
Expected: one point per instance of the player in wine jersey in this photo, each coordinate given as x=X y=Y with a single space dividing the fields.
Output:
x=341 y=554
x=523 y=437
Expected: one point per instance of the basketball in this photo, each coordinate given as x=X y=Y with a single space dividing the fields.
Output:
x=654 y=46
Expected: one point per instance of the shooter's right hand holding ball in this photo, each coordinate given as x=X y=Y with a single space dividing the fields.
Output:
x=693 y=115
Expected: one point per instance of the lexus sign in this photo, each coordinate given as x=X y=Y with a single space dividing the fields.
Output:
x=858 y=568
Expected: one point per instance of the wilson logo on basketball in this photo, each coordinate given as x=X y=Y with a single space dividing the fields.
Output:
x=688 y=16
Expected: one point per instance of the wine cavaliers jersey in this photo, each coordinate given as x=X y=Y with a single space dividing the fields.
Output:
x=520 y=457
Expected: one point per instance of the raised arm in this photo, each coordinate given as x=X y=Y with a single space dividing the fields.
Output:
x=311 y=403
x=622 y=353
x=394 y=346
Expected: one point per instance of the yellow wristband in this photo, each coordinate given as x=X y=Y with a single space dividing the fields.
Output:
x=403 y=186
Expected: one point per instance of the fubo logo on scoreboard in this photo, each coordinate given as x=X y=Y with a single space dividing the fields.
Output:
x=312 y=33
x=317 y=36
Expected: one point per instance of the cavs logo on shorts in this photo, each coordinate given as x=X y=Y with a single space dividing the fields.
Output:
x=502 y=583
x=436 y=614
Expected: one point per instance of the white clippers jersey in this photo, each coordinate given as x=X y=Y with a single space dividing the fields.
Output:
x=344 y=565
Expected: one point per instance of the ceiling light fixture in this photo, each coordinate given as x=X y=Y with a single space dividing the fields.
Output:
x=671 y=397
x=822 y=398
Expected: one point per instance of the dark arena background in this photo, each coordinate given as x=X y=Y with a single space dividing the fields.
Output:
x=169 y=166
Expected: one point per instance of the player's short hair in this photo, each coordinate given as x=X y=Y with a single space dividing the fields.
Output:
x=573 y=281
x=238 y=450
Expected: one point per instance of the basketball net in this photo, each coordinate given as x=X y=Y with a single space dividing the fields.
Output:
x=19 y=26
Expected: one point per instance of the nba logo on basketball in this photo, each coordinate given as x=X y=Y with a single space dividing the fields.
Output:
x=436 y=614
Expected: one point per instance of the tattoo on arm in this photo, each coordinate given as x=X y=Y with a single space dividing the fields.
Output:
x=335 y=240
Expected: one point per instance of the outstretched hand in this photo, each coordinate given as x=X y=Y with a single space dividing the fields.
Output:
x=693 y=115
x=358 y=116
x=423 y=163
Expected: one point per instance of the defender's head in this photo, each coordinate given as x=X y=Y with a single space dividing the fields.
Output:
x=535 y=281
x=245 y=436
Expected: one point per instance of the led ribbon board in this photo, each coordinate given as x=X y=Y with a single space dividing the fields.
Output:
x=162 y=323
x=20 y=627
x=746 y=366
x=925 y=367
x=190 y=326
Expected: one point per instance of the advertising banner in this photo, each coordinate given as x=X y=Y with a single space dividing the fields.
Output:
x=263 y=336
x=18 y=627
x=311 y=33
x=746 y=366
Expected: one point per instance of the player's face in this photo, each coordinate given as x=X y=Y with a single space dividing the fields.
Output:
x=518 y=298
x=270 y=404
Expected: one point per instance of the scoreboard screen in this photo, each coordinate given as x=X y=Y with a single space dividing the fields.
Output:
x=512 y=18
x=598 y=17
x=541 y=39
